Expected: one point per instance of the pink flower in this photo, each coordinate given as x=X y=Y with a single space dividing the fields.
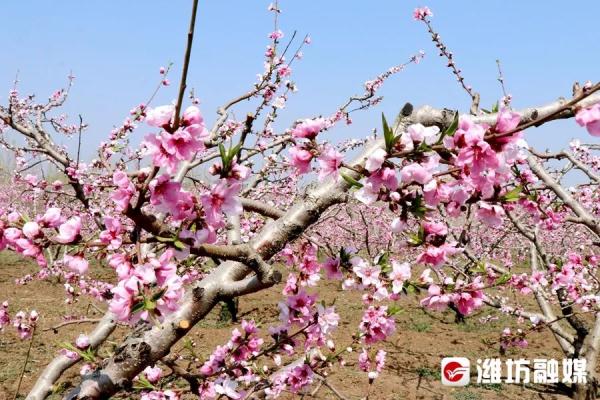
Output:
x=367 y=194
x=27 y=248
x=164 y=192
x=380 y=360
x=415 y=173
x=153 y=374
x=32 y=179
x=299 y=377
x=332 y=268
x=68 y=232
x=328 y=319
x=76 y=263
x=183 y=144
x=160 y=116
x=369 y=274
x=31 y=230
x=163 y=395
x=376 y=325
x=111 y=235
x=435 y=228
x=383 y=177
x=436 y=299
x=276 y=35
x=168 y=150
x=375 y=160
x=507 y=120
x=298 y=308
x=538 y=279
x=420 y=13
x=418 y=133
x=467 y=302
x=284 y=71
x=398 y=225
x=121 y=179
x=164 y=268
x=121 y=198
x=222 y=198
x=72 y=355
x=300 y=159
x=228 y=389
x=590 y=118
x=475 y=153
x=400 y=273
x=309 y=128
x=4 y=316
x=12 y=234
x=168 y=197
x=52 y=217
x=491 y=214
x=123 y=298
x=329 y=161
x=192 y=116
x=364 y=363
x=82 y=342
x=436 y=256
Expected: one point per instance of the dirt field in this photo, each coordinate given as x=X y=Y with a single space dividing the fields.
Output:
x=414 y=353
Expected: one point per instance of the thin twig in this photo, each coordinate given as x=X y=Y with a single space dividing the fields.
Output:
x=79 y=139
x=25 y=363
x=186 y=64
x=75 y=321
x=501 y=80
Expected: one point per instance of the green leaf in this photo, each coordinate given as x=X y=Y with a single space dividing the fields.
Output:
x=513 y=195
x=143 y=383
x=503 y=279
x=479 y=268
x=451 y=130
x=222 y=152
x=394 y=309
x=159 y=294
x=417 y=207
x=410 y=288
x=388 y=135
x=179 y=244
x=386 y=269
x=69 y=346
x=139 y=306
x=351 y=181
x=233 y=152
x=415 y=239
x=149 y=304
x=164 y=239
x=383 y=258
x=423 y=148
x=344 y=256
x=495 y=107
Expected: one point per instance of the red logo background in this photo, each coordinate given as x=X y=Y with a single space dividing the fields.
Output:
x=451 y=366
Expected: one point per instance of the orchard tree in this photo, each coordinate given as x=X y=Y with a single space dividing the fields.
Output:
x=453 y=208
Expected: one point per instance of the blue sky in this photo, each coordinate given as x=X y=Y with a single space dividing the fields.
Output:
x=115 y=49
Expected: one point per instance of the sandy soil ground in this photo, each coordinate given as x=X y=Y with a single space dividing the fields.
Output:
x=414 y=353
